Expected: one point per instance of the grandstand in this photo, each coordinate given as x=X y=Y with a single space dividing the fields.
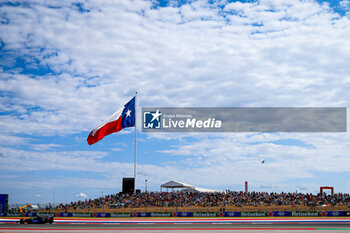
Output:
x=206 y=202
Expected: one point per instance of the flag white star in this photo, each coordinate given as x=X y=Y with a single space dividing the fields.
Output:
x=128 y=113
x=156 y=115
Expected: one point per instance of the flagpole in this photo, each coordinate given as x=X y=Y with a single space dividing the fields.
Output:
x=135 y=142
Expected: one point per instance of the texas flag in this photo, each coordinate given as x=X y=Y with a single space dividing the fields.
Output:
x=119 y=120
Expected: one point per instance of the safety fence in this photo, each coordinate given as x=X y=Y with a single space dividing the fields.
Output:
x=192 y=214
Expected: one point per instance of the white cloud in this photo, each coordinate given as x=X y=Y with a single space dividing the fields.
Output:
x=345 y=4
x=14 y=159
x=81 y=195
x=281 y=63
x=238 y=155
x=117 y=149
x=45 y=147
x=12 y=140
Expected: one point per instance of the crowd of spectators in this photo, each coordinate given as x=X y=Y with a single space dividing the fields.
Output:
x=219 y=199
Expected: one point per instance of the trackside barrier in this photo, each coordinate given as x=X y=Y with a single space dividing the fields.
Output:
x=81 y=215
x=192 y=214
x=332 y=213
x=253 y=214
x=14 y=215
x=161 y=214
x=183 y=214
x=142 y=214
x=101 y=215
x=121 y=215
x=279 y=213
x=29 y=214
x=305 y=214
x=63 y=214
x=45 y=214
x=205 y=214
x=229 y=214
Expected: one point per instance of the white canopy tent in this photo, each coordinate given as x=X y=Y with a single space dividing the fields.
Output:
x=185 y=187
x=174 y=184
x=201 y=190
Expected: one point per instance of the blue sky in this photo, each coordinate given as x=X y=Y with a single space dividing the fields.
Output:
x=67 y=65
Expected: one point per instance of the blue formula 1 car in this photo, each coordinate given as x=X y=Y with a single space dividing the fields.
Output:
x=36 y=220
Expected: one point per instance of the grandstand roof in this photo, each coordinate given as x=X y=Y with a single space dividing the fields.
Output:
x=186 y=187
x=175 y=184
x=201 y=190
